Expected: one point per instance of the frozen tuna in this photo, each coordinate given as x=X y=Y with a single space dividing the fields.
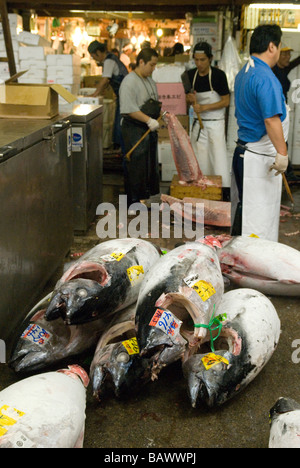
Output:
x=104 y=280
x=44 y=343
x=176 y=302
x=113 y=356
x=285 y=424
x=270 y=267
x=45 y=410
x=248 y=338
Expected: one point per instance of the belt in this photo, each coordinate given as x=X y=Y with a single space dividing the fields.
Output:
x=244 y=147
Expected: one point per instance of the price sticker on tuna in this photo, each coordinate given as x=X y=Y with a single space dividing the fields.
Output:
x=36 y=334
x=211 y=359
x=8 y=417
x=131 y=346
x=135 y=274
x=117 y=256
x=165 y=321
x=204 y=290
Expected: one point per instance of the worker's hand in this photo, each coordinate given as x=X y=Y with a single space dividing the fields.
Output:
x=153 y=124
x=281 y=163
x=191 y=98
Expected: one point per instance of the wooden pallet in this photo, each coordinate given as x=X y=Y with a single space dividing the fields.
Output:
x=211 y=192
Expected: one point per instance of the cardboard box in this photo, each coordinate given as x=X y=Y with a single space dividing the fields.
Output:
x=92 y=81
x=173 y=97
x=212 y=192
x=32 y=101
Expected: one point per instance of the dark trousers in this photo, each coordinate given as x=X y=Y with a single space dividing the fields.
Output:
x=141 y=173
x=238 y=170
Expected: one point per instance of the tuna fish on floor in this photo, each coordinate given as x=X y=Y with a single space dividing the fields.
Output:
x=42 y=343
x=104 y=280
x=248 y=338
x=285 y=424
x=175 y=305
x=45 y=410
x=269 y=267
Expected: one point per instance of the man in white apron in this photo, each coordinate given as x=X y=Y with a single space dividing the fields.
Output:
x=209 y=97
x=261 y=153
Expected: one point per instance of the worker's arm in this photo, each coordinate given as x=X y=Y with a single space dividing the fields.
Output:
x=141 y=117
x=224 y=102
x=293 y=64
x=275 y=132
x=101 y=87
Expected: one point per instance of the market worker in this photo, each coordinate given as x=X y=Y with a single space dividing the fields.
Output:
x=281 y=70
x=210 y=98
x=113 y=72
x=125 y=55
x=140 y=108
x=263 y=123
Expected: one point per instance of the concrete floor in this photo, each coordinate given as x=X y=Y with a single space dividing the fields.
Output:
x=161 y=415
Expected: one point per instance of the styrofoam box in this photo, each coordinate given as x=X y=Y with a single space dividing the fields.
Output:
x=13 y=32
x=61 y=60
x=15 y=45
x=87 y=91
x=53 y=79
x=92 y=101
x=165 y=155
x=28 y=38
x=34 y=52
x=33 y=64
x=63 y=71
x=15 y=20
x=3 y=54
x=37 y=72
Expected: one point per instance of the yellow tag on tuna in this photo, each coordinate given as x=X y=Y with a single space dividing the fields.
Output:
x=117 y=256
x=131 y=346
x=211 y=359
x=135 y=274
x=8 y=417
x=254 y=235
x=204 y=289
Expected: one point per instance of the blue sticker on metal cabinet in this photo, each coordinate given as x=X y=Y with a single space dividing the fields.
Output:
x=77 y=139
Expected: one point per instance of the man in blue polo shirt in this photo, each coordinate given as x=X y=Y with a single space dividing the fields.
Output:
x=261 y=152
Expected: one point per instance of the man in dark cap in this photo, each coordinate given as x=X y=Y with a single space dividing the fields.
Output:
x=113 y=72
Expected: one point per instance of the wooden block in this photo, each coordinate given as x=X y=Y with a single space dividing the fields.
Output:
x=213 y=191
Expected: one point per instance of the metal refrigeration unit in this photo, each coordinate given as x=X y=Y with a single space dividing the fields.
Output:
x=87 y=157
x=36 y=211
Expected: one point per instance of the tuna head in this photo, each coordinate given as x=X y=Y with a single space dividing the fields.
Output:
x=215 y=377
x=115 y=371
x=77 y=301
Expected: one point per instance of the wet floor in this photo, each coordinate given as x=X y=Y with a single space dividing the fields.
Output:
x=160 y=416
